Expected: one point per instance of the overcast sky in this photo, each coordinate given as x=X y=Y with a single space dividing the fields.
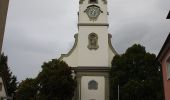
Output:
x=40 y=30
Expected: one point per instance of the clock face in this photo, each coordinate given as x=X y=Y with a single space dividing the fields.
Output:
x=93 y=12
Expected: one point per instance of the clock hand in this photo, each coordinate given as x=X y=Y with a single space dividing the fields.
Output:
x=93 y=12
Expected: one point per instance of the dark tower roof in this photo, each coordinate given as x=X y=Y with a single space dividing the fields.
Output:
x=168 y=17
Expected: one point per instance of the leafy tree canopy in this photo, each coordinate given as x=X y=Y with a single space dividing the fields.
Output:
x=138 y=74
x=9 y=79
x=27 y=90
x=54 y=82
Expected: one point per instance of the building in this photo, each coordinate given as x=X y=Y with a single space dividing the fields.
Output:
x=92 y=52
x=168 y=17
x=164 y=59
x=3 y=15
x=2 y=90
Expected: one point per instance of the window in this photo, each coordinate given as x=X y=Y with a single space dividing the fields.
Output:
x=168 y=68
x=0 y=86
x=93 y=1
x=93 y=85
x=93 y=41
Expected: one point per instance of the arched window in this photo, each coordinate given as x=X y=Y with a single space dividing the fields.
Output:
x=93 y=41
x=92 y=85
x=168 y=68
x=93 y=1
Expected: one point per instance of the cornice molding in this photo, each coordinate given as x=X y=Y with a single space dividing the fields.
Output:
x=81 y=1
x=92 y=68
x=110 y=44
x=92 y=24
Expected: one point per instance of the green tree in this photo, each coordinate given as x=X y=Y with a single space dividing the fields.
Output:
x=9 y=79
x=138 y=74
x=56 y=81
x=27 y=90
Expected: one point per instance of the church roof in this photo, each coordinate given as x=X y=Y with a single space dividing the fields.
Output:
x=164 y=48
x=168 y=17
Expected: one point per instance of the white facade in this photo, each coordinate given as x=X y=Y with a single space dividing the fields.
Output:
x=97 y=57
x=93 y=94
x=95 y=60
x=2 y=89
x=80 y=55
x=83 y=18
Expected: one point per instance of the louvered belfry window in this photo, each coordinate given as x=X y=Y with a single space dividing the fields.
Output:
x=93 y=1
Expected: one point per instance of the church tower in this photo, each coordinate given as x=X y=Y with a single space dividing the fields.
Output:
x=92 y=52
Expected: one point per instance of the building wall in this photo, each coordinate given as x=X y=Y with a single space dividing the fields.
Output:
x=3 y=14
x=83 y=18
x=97 y=57
x=166 y=81
x=2 y=92
x=81 y=55
x=91 y=63
x=98 y=94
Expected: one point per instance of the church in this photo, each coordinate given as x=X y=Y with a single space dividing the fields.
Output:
x=92 y=52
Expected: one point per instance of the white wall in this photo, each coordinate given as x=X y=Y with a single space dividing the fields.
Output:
x=2 y=93
x=72 y=60
x=97 y=57
x=82 y=56
x=83 y=18
x=98 y=94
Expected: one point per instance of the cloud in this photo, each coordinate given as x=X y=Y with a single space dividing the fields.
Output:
x=138 y=21
x=38 y=31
